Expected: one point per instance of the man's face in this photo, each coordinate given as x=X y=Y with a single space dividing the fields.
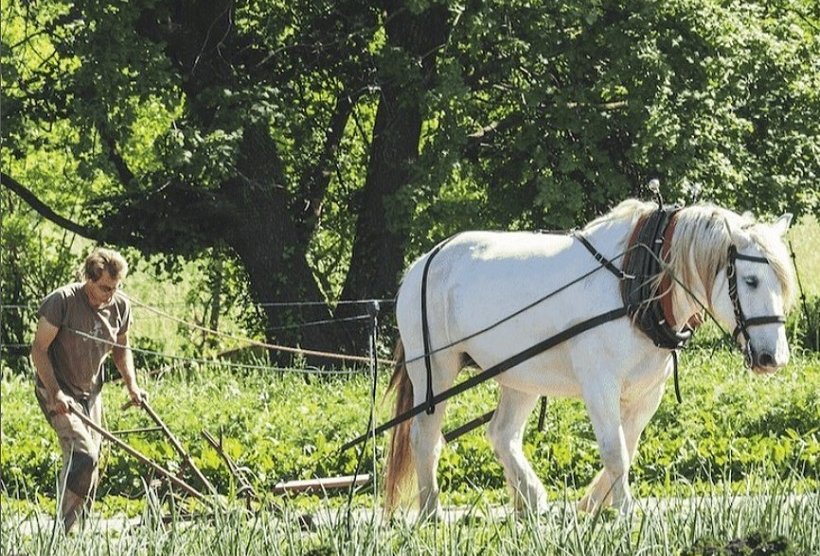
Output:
x=100 y=292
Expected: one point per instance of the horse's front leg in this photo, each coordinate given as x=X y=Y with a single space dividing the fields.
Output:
x=603 y=404
x=634 y=417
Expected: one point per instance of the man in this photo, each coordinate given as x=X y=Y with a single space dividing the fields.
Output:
x=79 y=325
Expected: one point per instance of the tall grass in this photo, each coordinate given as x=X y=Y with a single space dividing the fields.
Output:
x=805 y=239
x=693 y=525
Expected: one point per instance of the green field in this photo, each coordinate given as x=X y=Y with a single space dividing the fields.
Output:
x=734 y=435
x=739 y=459
x=805 y=239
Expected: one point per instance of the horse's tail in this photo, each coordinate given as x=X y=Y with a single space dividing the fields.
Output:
x=400 y=457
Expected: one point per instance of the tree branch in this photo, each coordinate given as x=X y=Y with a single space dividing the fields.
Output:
x=123 y=171
x=45 y=211
x=314 y=184
x=484 y=137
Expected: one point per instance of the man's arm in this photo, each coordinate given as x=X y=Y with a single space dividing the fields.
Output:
x=124 y=360
x=43 y=336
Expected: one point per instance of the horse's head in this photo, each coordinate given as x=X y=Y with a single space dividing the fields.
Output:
x=754 y=289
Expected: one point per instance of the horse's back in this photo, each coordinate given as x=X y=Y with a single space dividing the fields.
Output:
x=479 y=278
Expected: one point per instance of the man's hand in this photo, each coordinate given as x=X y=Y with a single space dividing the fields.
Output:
x=62 y=402
x=137 y=395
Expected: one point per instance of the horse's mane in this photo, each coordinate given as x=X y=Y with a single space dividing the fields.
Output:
x=700 y=244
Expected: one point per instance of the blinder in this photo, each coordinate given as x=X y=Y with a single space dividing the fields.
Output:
x=744 y=323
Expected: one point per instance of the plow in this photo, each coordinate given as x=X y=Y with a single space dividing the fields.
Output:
x=205 y=492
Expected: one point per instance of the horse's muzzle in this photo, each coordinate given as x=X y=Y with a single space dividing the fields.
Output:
x=764 y=362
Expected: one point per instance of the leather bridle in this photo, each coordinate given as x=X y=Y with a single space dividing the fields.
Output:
x=742 y=322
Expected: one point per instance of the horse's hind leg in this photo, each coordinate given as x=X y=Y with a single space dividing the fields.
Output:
x=425 y=431
x=506 y=434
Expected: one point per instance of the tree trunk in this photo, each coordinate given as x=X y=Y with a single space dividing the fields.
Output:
x=262 y=229
x=378 y=249
x=266 y=238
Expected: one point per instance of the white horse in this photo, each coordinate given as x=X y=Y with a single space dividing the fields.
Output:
x=478 y=279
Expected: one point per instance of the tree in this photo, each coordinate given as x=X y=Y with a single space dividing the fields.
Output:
x=324 y=144
x=407 y=74
x=563 y=109
x=241 y=110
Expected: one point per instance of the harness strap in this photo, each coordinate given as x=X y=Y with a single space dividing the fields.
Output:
x=763 y=320
x=468 y=426
x=661 y=244
x=425 y=328
x=675 y=375
x=646 y=302
x=620 y=274
x=740 y=318
x=752 y=258
x=495 y=370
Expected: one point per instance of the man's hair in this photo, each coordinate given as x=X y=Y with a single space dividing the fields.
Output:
x=104 y=259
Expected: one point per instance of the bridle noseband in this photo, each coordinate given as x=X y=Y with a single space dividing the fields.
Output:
x=743 y=323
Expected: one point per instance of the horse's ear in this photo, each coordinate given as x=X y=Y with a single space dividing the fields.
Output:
x=782 y=224
x=728 y=227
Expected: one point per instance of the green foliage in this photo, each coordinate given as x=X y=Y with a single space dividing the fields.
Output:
x=805 y=323
x=730 y=427
x=533 y=115
x=557 y=111
x=32 y=263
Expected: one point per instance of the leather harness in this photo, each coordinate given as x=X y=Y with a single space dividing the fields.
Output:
x=649 y=305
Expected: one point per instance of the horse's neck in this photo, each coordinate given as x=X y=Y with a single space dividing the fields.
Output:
x=611 y=238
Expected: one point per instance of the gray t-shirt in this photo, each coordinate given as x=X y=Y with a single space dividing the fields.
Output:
x=77 y=359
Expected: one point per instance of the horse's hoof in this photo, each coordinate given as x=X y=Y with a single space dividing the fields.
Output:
x=626 y=507
x=588 y=506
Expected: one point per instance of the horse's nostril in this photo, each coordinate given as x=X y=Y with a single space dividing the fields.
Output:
x=765 y=359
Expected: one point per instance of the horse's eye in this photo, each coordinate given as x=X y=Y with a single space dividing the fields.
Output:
x=751 y=281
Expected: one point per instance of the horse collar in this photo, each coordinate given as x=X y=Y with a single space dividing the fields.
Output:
x=650 y=305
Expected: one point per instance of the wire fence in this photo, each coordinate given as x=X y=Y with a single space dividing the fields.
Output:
x=9 y=349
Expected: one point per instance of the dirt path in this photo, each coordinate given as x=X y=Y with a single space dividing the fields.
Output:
x=43 y=524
